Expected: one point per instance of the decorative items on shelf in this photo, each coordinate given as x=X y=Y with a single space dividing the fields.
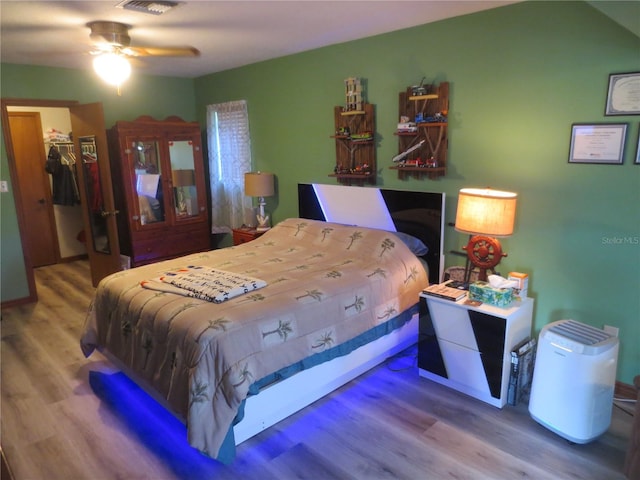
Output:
x=421 y=89
x=354 y=96
x=354 y=136
x=422 y=131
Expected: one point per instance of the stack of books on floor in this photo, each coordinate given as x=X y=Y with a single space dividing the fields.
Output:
x=450 y=290
x=522 y=360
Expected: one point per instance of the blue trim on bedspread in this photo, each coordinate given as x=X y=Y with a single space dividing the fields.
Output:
x=227 y=451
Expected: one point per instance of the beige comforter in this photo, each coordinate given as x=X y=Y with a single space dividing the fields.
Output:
x=325 y=284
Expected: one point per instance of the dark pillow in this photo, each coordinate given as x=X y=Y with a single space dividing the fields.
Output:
x=415 y=244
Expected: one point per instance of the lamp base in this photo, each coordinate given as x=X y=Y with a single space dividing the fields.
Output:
x=263 y=219
x=485 y=253
x=263 y=222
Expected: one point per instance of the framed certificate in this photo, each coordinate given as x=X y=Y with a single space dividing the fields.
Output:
x=597 y=143
x=637 y=162
x=623 y=95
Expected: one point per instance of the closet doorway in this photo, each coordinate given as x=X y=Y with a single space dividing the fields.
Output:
x=96 y=229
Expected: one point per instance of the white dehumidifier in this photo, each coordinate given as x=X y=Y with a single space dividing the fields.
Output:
x=573 y=380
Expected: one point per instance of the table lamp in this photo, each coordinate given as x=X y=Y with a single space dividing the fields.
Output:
x=259 y=184
x=485 y=214
x=181 y=180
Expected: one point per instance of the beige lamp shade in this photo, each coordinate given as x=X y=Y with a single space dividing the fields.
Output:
x=258 y=184
x=486 y=212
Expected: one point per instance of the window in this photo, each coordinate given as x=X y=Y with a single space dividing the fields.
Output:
x=229 y=159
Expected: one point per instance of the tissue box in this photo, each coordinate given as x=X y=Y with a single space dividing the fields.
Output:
x=485 y=293
x=523 y=283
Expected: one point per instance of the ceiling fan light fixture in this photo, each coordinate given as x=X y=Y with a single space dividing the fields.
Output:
x=109 y=34
x=112 y=68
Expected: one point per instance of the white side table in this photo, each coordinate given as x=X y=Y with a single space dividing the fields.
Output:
x=469 y=348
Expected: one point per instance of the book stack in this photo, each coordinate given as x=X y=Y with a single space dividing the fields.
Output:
x=522 y=362
x=449 y=290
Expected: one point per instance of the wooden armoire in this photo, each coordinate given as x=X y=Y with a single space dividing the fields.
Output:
x=159 y=186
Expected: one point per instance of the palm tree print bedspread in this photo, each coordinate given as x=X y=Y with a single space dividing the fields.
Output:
x=325 y=284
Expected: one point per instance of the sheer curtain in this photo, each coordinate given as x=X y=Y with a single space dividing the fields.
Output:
x=229 y=159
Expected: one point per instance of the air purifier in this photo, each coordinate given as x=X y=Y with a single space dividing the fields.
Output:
x=573 y=380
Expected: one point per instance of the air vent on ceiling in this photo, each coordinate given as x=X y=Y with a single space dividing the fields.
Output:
x=153 y=8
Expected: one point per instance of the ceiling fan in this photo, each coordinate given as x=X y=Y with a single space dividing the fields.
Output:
x=113 y=37
x=112 y=51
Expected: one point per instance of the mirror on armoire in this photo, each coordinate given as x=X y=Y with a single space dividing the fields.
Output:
x=183 y=179
x=148 y=174
x=93 y=191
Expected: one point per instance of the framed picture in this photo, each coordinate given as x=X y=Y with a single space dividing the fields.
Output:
x=623 y=95
x=597 y=143
x=637 y=162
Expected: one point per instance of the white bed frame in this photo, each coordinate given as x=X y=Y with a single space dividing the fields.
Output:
x=282 y=399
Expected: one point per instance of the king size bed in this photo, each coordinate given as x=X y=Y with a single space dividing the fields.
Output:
x=233 y=340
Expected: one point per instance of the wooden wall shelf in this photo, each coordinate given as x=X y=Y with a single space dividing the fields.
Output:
x=355 y=155
x=422 y=97
x=432 y=133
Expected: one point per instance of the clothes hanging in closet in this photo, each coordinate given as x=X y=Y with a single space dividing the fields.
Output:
x=62 y=170
x=92 y=181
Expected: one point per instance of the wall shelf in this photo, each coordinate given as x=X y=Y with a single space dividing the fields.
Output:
x=428 y=113
x=355 y=145
x=422 y=97
x=419 y=172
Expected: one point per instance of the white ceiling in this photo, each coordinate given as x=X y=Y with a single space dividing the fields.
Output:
x=228 y=34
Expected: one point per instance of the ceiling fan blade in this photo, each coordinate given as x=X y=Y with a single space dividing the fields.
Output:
x=161 y=51
x=137 y=62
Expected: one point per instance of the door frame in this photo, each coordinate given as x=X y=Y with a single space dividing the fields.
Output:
x=15 y=183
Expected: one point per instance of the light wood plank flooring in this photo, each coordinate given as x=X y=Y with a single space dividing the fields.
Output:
x=387 y=424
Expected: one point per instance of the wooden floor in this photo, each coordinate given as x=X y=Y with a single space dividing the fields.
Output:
x=387 y=424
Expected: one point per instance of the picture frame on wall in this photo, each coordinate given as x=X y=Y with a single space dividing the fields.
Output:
x=599 y=143
x=637 y=162
x=623 y=94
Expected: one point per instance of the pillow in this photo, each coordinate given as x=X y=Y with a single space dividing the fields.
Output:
x=415 y=244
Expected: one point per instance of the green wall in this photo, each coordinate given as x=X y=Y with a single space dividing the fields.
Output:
x=520 y=75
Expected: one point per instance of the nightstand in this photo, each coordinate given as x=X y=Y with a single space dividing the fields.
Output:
x=468 y=348
x=244 y=235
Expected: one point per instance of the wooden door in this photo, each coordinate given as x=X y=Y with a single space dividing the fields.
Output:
x=41 y=239
x=96 y=193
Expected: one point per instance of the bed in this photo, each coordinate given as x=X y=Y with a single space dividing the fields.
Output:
x=324 y=302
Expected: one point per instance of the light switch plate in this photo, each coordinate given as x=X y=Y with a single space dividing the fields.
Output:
x=4 y=186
